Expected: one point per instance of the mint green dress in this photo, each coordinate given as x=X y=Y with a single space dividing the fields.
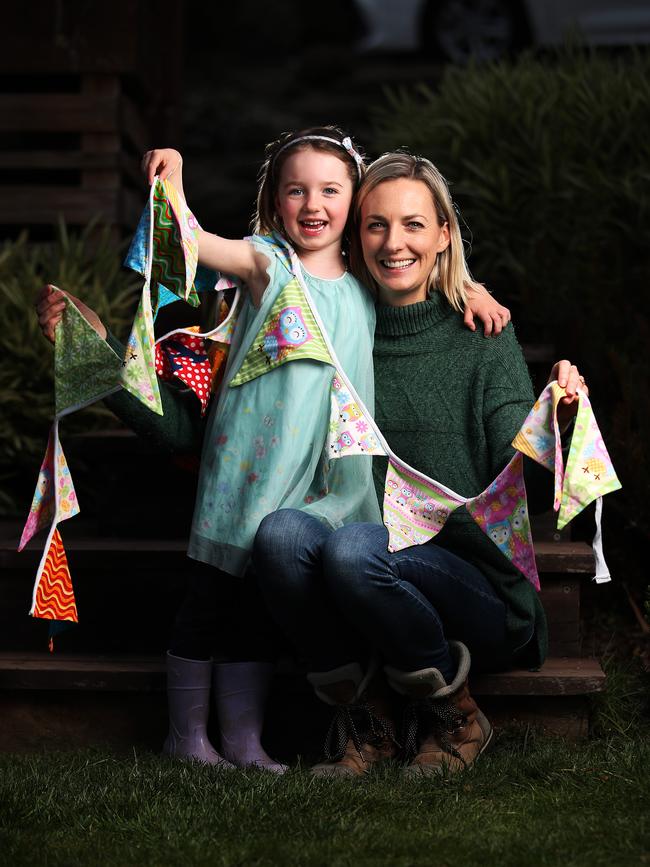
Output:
x=265 y=446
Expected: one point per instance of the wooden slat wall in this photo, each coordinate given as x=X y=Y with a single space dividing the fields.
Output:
x=117 y=70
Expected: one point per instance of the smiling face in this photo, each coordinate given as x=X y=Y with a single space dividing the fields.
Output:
x=313 y=199
x=401 y=238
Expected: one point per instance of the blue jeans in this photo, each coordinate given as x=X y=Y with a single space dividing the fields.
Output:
x=340 y=596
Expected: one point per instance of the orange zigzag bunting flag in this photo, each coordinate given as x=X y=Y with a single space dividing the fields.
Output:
x=53 y=596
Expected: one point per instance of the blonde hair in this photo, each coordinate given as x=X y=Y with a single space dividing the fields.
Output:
x=265 y=220
x=450 y=274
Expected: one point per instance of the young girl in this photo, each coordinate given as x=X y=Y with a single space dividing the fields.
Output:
x=263 y=447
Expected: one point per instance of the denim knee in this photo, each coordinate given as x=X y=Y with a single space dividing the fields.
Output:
x=351 y=555
x=272 y=529
x=286 y=546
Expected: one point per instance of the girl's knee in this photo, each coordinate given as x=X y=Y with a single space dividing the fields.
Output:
x=353 y=546
x=351 y=555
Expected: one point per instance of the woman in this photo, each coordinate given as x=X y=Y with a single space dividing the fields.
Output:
x=449 y=404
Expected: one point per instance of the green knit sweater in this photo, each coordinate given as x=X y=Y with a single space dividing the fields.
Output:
x=449 y=402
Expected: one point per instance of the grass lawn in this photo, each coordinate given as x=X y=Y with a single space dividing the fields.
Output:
x=531 y=800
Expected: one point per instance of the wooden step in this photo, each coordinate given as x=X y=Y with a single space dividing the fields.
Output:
x=562 y=557
x=126 y=673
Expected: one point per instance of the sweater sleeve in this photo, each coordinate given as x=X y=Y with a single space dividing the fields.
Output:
x=508 y=398
x=179 y=429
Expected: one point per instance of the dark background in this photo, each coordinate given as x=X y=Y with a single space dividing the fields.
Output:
x=218 y=81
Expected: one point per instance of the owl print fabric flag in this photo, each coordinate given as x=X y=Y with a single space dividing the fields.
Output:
x=289 y=332
x=415 y=507
x=351 y=429
x=501 y=511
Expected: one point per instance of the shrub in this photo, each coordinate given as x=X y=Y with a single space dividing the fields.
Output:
x=89 y=266
x=549 y=162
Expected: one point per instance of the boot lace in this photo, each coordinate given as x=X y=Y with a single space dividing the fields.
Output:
x=439 y=717
x=358 y=723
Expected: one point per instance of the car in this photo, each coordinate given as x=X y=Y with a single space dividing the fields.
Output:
x=458 y=30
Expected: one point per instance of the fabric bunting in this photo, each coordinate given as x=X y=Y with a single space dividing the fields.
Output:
x=289 y=332
x=351 y=430
x=139 y=365
x=53 y=595
x=175 y=243
x=54 y=499
x=415 y=507
x=501 y=511
x=539 y=437
x=589 y=470
x=85 y=367
x=186 y=357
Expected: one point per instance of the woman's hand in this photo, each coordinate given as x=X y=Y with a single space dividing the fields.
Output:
x=162 y=162
x=493 y=315
x=50 y=306
x=570 y=379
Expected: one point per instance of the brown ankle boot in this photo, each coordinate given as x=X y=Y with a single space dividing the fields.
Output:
x=445 y=728
x=362 y=732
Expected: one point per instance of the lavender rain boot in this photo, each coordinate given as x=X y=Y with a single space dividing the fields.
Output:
x=188 y=697
x=240 y=690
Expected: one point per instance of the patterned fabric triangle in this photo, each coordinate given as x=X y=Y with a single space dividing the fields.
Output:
x=351 y=429
x=539 y=437
x=85 y=367
x=139 y=367
x=54 y=498
x=186 y=357
x=589 y=471
x=415 y=507
x=288 y=333
x=175 y=243
x=501 y=511
x=54 y=596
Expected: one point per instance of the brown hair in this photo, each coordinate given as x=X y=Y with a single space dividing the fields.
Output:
x=450 y=274
x=265 y=220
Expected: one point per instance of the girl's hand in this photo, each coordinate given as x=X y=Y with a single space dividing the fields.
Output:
x=493 y=315
x=162 y=162
x=569 y=378
x=50 y=306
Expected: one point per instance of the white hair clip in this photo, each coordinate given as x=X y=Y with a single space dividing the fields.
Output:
x=347 y=144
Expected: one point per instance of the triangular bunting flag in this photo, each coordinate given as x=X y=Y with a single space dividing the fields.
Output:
x=85 y=367
x=54 y=498
x=415 y=507
x=54 y=597
x=501 y=511
x=288 y=333
x=175 y=243
x=539 y=437
x=351 y=431
x=589 y=471
x=186 y=357
x=138 y=367
x=536 y=437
